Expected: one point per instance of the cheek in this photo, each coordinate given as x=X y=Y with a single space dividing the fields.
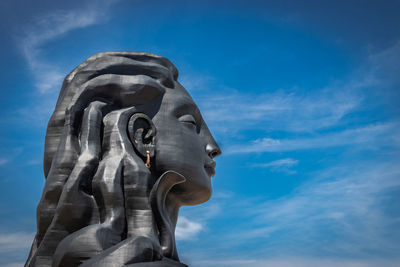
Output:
x=180 y=150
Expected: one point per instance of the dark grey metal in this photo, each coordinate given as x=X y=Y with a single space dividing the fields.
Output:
x=101 y=206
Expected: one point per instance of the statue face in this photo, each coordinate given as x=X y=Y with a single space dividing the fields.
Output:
x=184 y=144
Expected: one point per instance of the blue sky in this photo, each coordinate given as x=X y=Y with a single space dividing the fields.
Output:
x=303 y=98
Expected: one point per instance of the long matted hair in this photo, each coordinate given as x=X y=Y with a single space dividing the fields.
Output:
x=90 y=166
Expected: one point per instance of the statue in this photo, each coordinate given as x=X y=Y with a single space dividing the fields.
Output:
x=125 y=148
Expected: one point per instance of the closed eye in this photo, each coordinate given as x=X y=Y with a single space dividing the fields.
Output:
x=188 y=119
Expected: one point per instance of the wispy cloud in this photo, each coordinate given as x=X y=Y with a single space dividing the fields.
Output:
x=10 y=155
x=194 y=82
x=281 y=110
x=51 y=26
x=187 y=229
x=308 y=119
x=14 y=247
x=369 y=136
x=385 y=64
x=280 y=165
x=14 y=241
x=298 y=262
x=345 y=212
x=38 y=112
x=288 y=162
x=349 y=201
x=3 y=161
x=14 y=264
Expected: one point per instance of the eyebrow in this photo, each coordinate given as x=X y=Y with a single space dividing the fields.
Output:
x=186 y=104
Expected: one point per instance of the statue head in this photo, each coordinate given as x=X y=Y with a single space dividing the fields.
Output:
x=125 y=147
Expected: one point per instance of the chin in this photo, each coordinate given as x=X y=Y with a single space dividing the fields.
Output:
x=193 y=194
x=203 y=195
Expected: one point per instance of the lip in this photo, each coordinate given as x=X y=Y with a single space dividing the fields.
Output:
x=210 y=168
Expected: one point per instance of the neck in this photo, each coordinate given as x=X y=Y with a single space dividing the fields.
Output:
x=166 y=208
x=172 y=207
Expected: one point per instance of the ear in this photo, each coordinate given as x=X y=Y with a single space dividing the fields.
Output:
x=142 y=133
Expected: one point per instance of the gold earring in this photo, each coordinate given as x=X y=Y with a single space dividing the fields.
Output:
x=148 y=159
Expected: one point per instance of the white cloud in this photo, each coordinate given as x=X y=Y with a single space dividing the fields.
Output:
x=3 y=161
x=281 y=110
x=37 y=114
x=280 y=165
x=294 y=262
x=11 y=155
x=299 y=111
x=385 y=64
x=194 y=82
x=288 y=162
x=51 y=26
x=14 y=241
x=348 y=204
x=369 y=136
x=342 y=211
x=344 y=214
x=187 y=229
x=14 y=264
x=48 y=80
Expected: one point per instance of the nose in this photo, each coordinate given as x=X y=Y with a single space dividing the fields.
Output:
x=213 y=150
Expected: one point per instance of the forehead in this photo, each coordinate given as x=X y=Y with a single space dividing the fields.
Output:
x=178 y=99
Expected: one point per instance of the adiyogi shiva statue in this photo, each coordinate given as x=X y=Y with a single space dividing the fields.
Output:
x=125 y=148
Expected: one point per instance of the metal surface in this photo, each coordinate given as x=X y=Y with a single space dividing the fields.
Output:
x=101 y=205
